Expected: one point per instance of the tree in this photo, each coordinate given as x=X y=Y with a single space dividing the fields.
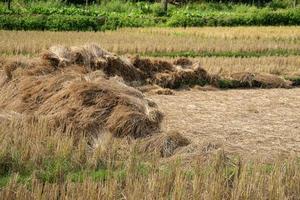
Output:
x=164 y=5
x=9 y=4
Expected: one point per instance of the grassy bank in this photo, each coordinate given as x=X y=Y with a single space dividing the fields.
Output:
x=243 y=54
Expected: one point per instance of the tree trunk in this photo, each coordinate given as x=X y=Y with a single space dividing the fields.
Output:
x=164 y=5
x=9 y=4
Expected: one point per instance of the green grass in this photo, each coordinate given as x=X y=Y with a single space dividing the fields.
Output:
x=4 y=179
x=270 y=52
x=118 y=14
x=193 y=54
x=21 y=179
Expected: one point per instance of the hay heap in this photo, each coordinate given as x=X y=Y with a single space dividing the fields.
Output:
x=196 y=75
x=75 y=102
x=72 y=96
x=249 y=80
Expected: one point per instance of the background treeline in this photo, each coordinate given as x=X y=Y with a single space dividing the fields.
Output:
x=281 y=3
x=109 y=15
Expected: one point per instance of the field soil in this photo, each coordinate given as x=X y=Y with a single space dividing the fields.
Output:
x=260 y=123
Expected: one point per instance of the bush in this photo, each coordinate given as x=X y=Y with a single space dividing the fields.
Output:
x=141 y=14
x=275 y=4
x=80 y=1
x=260 y=17
x=52 y=22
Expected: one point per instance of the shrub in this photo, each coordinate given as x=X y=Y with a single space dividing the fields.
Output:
x=260 y=17
x=52 y=22
x=143 y=15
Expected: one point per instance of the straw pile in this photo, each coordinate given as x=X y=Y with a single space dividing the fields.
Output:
x=196 y=75
x=248 y=80
x=65 y=89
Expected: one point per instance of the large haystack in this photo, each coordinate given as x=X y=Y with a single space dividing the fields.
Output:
x=70 y=101
x=71 y=97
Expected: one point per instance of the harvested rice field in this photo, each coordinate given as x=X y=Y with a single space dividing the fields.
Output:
x=210 y=41
x=195 y=113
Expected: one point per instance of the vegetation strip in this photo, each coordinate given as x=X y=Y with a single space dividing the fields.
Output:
x=271 y=52
x=193 y=54
x=76 y=19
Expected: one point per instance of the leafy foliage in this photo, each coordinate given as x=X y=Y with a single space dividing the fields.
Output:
x=115 y=15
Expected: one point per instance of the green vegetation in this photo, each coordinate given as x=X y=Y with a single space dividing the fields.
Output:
x=116 y=14
x=242 y=54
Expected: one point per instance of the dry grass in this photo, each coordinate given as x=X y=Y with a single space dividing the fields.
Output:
x=280 y=183
x=158 y=39
x=129 y=175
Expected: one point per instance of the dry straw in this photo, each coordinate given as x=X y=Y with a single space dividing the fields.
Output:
x=73 y=97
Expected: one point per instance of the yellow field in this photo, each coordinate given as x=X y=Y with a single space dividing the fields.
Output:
x=158 y=39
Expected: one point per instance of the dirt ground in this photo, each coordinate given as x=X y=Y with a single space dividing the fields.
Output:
x=261 y=123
